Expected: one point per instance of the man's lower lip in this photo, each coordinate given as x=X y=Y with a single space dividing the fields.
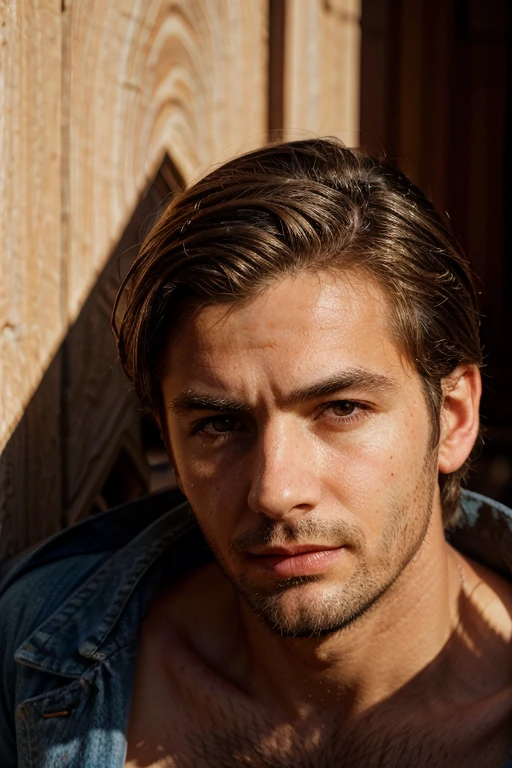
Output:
x=304 y=564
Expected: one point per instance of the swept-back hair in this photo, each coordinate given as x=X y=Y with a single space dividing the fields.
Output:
x=295 y=207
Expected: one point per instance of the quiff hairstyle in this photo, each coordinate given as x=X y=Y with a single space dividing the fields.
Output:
x=303 y=207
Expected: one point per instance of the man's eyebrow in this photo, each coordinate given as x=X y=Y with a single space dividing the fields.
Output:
x=189 y=401
x=193 y=401
x=349 y=379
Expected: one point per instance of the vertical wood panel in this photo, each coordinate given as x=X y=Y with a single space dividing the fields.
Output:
x=376 y=72
x=30 y=470
x=30 y=321
x=276 y=58
x=322 y=69
x=410 y=92
x=30 y=269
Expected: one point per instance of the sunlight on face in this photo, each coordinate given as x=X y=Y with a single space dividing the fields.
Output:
x=301 y=439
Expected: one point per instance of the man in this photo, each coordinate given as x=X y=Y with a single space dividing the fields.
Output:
x=303 y=327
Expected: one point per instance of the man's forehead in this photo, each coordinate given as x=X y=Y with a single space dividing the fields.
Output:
x=302 y=328
x=305 y=304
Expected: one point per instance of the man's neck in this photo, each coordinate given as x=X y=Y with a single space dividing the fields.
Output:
x=443 y=617
x=402 y=635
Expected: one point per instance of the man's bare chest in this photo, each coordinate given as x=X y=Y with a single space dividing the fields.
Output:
x=232 y=735
x=187 y=713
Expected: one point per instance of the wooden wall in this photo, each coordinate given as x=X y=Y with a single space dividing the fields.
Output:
x=322 y=42
x=93 y=97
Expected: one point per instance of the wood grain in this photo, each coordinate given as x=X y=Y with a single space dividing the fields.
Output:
x=102 y=418
x=31 y=324
x=92 y=96
x=30 y=260
x=322 y=69
x=187 y=78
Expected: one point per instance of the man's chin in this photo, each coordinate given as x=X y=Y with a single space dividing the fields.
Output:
x=300 y=609
x=308 y=608
x=301 y=624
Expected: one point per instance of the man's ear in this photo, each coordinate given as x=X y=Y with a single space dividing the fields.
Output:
x=459 y=421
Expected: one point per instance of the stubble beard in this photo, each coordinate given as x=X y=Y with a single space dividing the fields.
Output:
x=294 y=609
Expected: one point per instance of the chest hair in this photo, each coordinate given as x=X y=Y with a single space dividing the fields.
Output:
x=256 y=744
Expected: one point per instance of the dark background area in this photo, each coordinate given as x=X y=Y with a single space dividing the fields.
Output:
x=436 y=97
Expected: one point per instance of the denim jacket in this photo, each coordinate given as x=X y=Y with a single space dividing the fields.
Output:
x=70 y=616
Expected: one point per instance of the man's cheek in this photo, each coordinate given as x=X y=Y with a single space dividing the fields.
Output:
x=215 y=501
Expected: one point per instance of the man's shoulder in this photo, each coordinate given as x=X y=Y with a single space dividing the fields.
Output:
x=94 y=538
x=483 y=531
x=102 y=547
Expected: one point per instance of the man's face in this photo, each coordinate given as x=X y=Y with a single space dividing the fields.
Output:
x=301 y=438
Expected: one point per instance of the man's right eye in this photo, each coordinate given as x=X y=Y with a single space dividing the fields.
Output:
x=217 y=425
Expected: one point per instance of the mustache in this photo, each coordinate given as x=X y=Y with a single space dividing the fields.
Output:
x=271 y=533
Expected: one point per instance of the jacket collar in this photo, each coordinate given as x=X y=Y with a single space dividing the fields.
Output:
x=81 y=633
x=483 y=532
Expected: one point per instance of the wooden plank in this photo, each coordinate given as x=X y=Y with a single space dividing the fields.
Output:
x=322 y=69
x=30 y=322
x=91 y=97
x=376 y=54
x=411 y=95
x=31 y=326
x=186 y=77
x=30 y=469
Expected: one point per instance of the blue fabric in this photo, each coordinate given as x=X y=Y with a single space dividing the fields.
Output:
x=71 y=613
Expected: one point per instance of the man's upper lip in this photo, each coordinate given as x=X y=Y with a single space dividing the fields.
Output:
x=291 y=551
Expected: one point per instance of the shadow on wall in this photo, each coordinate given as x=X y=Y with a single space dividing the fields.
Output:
x=83 y=445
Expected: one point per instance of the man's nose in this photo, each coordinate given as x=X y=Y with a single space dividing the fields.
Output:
x=285 y=480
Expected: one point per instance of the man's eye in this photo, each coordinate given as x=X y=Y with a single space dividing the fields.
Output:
x=219 y=425
x=343 y=408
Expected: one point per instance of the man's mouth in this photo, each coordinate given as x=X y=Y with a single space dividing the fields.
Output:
x=295 y=560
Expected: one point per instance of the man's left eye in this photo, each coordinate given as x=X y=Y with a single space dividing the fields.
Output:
x=344 y=409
